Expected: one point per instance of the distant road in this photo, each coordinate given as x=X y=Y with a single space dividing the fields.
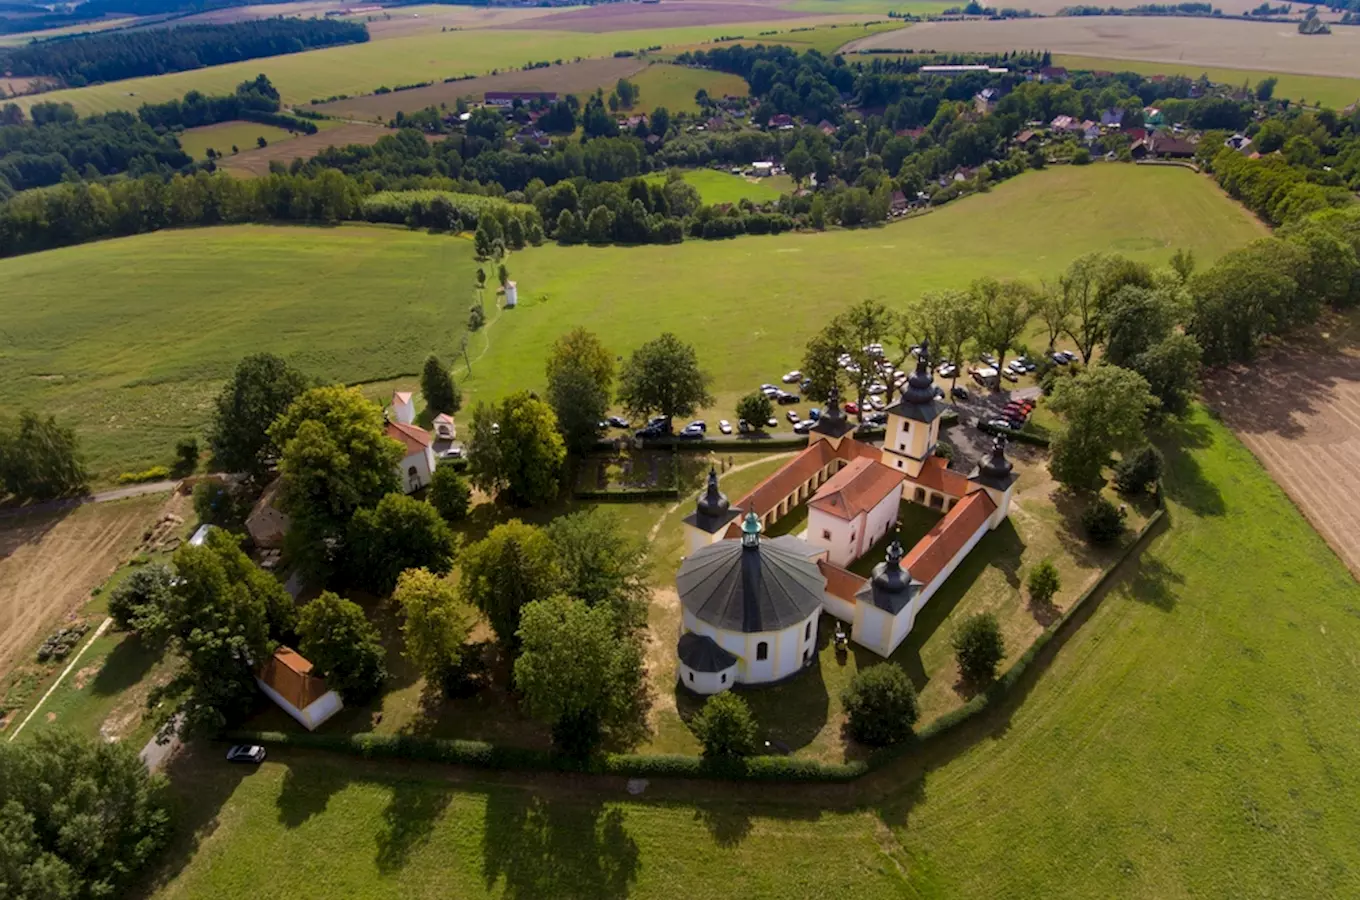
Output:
x=122 y=493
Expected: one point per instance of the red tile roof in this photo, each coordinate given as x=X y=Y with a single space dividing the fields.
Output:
x=413 y=438
x=770 y=492
x=943 y=542
x=937 y=476
x=401 y=396
x=856 y=489
x=290 y=675
x=840 y=582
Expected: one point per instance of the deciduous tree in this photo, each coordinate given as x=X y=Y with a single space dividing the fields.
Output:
x=142 y=602
x=1043 y=583
x=40 y=460
x=437 y=387
x=602 y=564
x=260 y=390
x=1104 y=408
x=979 y=648
x=450 y=494
x=343 y=646
x=756 y=409
x=435 y=627
x=881 y=705
x=511 y=567
x=400 y=533
x=663 y=376
x=725 y=727
x=1003 y=309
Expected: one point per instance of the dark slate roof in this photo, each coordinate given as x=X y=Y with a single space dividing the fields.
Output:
x=833 y=421
x=712 y=512
x=994 y=471
x=892 y=587
x=769 y=587
x=702 y=654
x=918 y=399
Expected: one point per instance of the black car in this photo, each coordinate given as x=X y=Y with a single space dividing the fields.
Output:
x=618 y=421
x=246 y=753
x=785 y=398
x=959 y=393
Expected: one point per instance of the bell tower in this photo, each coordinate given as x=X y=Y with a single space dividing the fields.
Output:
x=913 y=421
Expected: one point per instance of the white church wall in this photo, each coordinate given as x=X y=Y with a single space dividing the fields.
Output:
x=872 y=629
x=708 y=682
x=841 y=609
x=839 y=537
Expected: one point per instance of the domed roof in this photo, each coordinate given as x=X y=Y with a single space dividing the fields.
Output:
x=751 y=585
x=713 y=502
x=918 y=397
x=833 y=422
x=994 y=471
x=891 y=587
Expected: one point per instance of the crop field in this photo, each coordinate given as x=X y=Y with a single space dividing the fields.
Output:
x=674 y=87
x=225 y=135
x=1233 y=44
x=1338 y=93
x=15 y=40
x=132 y=337
x=569 y=78
x=723 y=187
x=1192 y=738
x=1305 y=430
x=362 y=68
x=404 y=21
x=671 y=14
x=256 y=160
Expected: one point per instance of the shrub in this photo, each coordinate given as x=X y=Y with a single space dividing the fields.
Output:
x=1082 y=157
x=155 y=473
x=725 y=727
x=1137 y=470
x=1044 y=582
x=881 y=704
x=139 y=602
x=450 y=494
x=755 y=408
x=343 y=645
x=186 y=454
x=979 y=648
x=1103 y=521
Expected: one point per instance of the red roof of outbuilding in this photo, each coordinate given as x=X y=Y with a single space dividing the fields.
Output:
x=937 y=476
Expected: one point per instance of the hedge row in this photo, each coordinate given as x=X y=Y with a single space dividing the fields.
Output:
x=760 y=768
x=628 y=495
x=393 y=207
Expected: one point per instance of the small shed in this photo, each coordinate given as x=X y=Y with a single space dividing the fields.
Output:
x=403 y=407
x=287 y=679
x=444 y=427
x=267 y=523
x=511 y=294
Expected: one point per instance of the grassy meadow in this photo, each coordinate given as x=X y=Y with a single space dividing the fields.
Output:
x=225 y=135
x=724 y=187
x=1319 y=90
x=674 y=87
x=131 y=338
x=1193 y=738
x=362 y=68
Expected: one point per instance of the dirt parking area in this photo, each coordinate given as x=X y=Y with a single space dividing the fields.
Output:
x=50 y=563
x=570 y=78
x=1298 y=411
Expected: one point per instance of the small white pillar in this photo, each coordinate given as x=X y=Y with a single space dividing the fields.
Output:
x=511 y=295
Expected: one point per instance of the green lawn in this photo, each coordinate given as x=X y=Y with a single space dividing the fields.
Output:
x=362 y=68
x=1335 y=92
x=724 y=187
x=674 y=87
x=224 y=136
x=1193 y=738
x=131 y=338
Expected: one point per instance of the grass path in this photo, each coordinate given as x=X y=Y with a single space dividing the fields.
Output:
x=671 y=510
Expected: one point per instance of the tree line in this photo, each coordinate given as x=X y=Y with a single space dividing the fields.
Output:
x=113 y=55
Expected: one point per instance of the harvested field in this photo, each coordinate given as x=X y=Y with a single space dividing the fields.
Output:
x=571 y=78
x=256 y=162
x=1337 y=93
x=49 y=563
x=1257 y=46
x=14 y=87
x=677 y=14
x=1298 y=411
x=15 y=40
x=404 y=21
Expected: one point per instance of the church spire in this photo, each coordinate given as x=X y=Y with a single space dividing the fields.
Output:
x=712 y=502
x=750 y=530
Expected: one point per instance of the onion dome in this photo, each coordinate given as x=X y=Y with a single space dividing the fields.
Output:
x=891 y=588
x=833 y=422
x=918 y=398
x=712 y=512
x=994 y=471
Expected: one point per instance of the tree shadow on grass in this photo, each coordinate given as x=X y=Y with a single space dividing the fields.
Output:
x=125 y=666
x=539 y=846
x=1183 y=479
x=728 y=823
x=306 y=792
x=1154 y=583
x=408 y=821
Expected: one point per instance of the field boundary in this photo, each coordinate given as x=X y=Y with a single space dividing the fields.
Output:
x=98 y=633
x=480 y=754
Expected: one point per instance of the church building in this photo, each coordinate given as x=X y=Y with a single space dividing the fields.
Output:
x=751 y=604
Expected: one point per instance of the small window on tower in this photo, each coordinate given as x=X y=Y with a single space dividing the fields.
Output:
x=762 y=650
x=826 y=535
x=807 y=632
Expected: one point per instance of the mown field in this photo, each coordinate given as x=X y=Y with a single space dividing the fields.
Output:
x=724 y=187
x=1193 y=738
x=1230 y=43
x=223 y=136
x=674 y=87
x=1338 y=93
x=363 y=68
x=132 y=337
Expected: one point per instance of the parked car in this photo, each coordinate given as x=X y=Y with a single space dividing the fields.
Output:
x=815 y=413
x=1010 y=376
x=878 y=387
x=1058 y=358
x=724 y=426
x=785 y=398
x=959 y=393
x=806 y=385
x=771 y=422
x=246 y=753
x=878 y=418
x=649 y=432
x=802 y=427
x=618 y=421
x=660 y=422
x=852 y=408
x=1000 y=423
x=770 y=391
x=699 y=424
x=792 y=416
x=877 y=402
x=690 y=433
x=988 y=359
x=791 y=377
x=948 y=370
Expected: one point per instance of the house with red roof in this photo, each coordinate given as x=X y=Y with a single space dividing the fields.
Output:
x=287 y=679
x=417 y=463
x=746 y=613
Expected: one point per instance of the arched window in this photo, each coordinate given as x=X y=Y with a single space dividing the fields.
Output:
x=691 y=677
x=762 y=650
x=724 y=678
x=807 y=632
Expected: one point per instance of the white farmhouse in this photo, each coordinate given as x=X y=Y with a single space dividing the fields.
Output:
x=417 y=465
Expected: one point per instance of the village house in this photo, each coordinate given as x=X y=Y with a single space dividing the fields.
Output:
x=417 y=464
x=287 y=679
x=750 y=605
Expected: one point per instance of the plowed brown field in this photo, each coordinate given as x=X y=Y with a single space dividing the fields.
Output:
x=1298 y=411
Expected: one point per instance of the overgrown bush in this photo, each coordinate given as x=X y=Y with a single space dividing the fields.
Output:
x=1103 y=521
x=881 y=704
x=725 y=727
x=186 y=455
x=1137 y=470
x=139 y=603
x=979 y=648
x=450 y=494
x=155 y=473
x=220 y=504
x=1044 y=582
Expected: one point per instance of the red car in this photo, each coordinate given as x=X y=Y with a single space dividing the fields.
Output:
x=852 y=408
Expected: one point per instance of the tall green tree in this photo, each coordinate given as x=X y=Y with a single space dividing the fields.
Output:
x=725 y=727
x=449 y=494
x=511 y=567
x=437 y=387
x=40 y=460
x=1003 y=310
x=979 y=647
x=602 y=564
x=949 y=320
x=399 y=533
x=260 y=390
x=435 y=626
x=755 y=408
x=581 y=349
x=79 y=818
x=141 y=602
x=516 y=450
x=343 y=646
x=575 y=673
x=580 y=374
x=1104 y=409
x=663 y=376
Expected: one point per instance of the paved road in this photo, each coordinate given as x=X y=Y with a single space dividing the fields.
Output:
x=155 y=755
x=122 y=493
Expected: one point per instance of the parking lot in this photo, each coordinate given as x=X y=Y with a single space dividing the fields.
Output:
x=970 y=442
